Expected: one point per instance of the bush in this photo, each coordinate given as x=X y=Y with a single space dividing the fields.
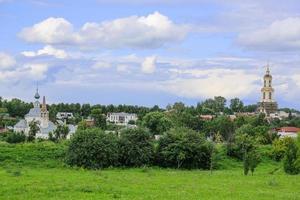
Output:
x=279 y=148
x=14 y=137
x=136 y=148
x=183 y=148
x=93 y=149
x=290 y=158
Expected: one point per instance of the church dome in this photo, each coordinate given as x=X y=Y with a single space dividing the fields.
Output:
x=37 y=95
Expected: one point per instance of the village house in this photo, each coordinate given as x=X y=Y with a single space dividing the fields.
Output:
x=121 y=118
x=288 y=132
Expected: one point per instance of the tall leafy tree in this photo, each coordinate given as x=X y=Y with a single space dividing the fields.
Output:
x=99 y=118
x=157 y=122
x=236 y=105
x=34 y=128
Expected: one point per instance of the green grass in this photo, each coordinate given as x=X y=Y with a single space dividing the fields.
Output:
x=32 y=179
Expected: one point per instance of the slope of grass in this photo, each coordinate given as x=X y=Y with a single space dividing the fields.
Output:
x=36 y=171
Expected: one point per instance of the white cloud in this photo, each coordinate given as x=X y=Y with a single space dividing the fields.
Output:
x=281 y=35
x=212 y=82
x=25 y=72
x=50 y=31
x=149 y=65
x=37 y=70
x=48 y=50
x=6 y=61
x=101 y=65
x=152 y=31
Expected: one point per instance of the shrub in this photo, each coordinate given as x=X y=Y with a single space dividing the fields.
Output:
x=290 y=159
x=135 y=147
x=92 y=148
x=183 y=148
x=13 y=137
x=279 y=148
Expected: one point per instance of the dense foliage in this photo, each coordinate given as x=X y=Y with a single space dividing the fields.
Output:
x=135 y=147
x=92 y=148
x=183 y=148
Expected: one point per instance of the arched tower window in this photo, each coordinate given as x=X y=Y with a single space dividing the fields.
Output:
x=270 y=95
x=264 y=95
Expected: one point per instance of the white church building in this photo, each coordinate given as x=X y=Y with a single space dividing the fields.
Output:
x=40 y=114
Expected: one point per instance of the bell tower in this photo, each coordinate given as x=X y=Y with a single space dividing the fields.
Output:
x=44 y=114
x=267 y=103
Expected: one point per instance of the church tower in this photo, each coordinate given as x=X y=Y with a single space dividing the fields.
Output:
x=44 y=114
x=36 y=104
x=267 y=104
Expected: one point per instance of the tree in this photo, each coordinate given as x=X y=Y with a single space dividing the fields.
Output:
x=61 y=132
x=82 y=125
x=253 y=159
x=220 y=103
x=135 y=147
x=157 y=122
x=34 y=128
x=93 y=149
x=246 y=144
x=183 y=148
x=290 y=159
x=236 y=105
x=13 y=137
x=222 y=125
x=99 y=118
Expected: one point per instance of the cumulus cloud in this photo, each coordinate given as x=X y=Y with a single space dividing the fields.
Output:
x=50 y=31
x=149 y=65
x=36 y=70
x=152 y=31
x=279 y=36
x=25 y=72
x=211 y=82
x=48 y=50
x=6 y=61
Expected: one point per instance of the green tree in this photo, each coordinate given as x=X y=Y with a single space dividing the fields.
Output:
x=135 y=147
x=183 y=148
x=99 y=118
x=93 y=149
x=289 y=163
x=61 y=132
x=236 y=105
x=157 y=122
x=82 y=125
x=220 y=104
x=34 y=128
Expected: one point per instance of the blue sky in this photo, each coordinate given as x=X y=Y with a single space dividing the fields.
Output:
x=149 y=52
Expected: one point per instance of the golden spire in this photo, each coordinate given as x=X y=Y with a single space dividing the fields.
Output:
x=44 y=106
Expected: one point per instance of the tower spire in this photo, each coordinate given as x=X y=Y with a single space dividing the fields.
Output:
x=268 y=68
x=37 y=95
x=44 y=107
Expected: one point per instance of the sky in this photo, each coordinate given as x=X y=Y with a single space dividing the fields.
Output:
x=149 y=52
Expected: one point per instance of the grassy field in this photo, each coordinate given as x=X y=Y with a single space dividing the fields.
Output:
x=43 y=178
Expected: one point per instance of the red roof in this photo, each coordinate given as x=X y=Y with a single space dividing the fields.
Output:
x=289 y=129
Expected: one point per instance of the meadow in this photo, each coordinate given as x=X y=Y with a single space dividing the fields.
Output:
x=37 y=171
